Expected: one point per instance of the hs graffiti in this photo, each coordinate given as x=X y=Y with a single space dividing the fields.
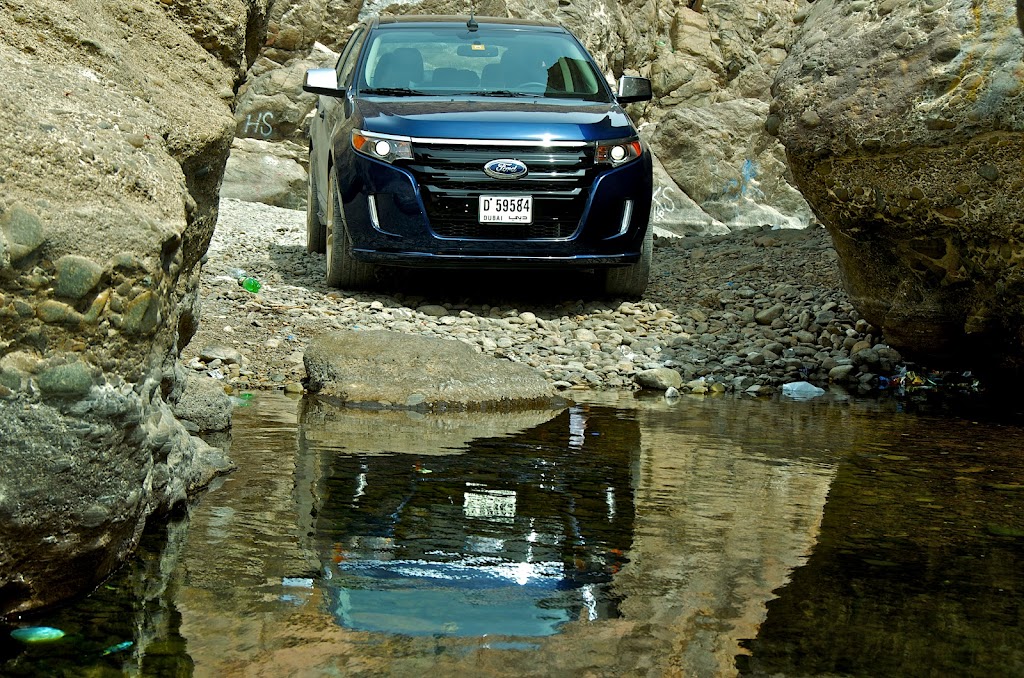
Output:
x=259 y=125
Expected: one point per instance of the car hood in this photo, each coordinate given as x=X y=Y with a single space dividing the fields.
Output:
x=511 y=119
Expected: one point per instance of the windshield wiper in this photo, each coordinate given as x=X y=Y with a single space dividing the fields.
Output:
x=502 y=93
x=393 y=91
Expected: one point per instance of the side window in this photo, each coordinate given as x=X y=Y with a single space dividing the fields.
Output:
x=348 y=59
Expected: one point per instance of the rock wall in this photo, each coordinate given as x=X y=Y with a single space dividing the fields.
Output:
x=115 y=126
x=711 y=69
x=904 y=129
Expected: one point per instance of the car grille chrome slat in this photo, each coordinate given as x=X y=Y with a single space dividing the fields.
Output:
x=451 y=179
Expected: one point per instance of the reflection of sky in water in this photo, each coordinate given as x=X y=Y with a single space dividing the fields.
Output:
x=470 y=597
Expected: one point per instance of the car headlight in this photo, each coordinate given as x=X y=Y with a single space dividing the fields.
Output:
x=382 y=146
x=618 y=152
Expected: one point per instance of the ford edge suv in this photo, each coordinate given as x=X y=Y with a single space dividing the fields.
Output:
x=476 y=143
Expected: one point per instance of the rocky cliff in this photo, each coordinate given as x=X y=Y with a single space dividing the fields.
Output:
x=115 y=126
x=904 y=129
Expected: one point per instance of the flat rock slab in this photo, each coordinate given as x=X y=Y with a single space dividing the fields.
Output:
x=392 y=369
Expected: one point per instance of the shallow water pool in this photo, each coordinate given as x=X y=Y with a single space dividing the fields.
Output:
x=619 y=536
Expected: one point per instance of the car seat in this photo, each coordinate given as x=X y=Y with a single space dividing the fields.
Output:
x=402 y=68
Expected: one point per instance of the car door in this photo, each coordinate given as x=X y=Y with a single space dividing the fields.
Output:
x=332 y=112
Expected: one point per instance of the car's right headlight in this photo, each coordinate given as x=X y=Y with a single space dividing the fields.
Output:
x=618 y=152
x=384 y=147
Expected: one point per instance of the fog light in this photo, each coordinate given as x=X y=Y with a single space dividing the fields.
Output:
x=371 y=203
x=627 y=216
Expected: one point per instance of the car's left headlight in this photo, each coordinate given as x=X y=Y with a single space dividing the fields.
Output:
x=618 y=152
x=384 y=147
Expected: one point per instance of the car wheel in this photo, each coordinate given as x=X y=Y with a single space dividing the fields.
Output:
x=316 y=236
x=631 y=281
x=342 y=270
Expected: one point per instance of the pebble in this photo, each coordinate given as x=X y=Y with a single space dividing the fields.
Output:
x=741 y=313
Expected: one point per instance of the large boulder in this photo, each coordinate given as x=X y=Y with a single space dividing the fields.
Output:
x=270 y=173
x=380 y=368
x=740 y=181
x=296 y=25
x=115 y=125
x=271 y=105
x=902 y=123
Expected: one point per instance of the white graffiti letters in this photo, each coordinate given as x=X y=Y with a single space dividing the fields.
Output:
x=663 y=204
x=262 y=125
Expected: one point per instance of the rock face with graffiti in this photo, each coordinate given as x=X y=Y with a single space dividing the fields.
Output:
x=903 y=125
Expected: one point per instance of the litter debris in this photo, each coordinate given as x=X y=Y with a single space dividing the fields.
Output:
x=249 y=283
x=120 y=647
x=802 y=390
x=37 y=634
x=242 y=400
x=909 y=381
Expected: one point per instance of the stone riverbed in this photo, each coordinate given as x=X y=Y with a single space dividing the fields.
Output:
x=745 y=312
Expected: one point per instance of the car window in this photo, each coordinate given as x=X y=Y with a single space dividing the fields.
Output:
x=495 y=62
x=349 y=57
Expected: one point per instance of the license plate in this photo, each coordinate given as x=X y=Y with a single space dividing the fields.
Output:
x=505 y=209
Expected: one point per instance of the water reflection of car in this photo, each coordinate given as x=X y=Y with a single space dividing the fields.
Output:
x=514 y=537
x=480 y=143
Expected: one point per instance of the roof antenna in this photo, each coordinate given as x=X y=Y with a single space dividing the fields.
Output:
x=472 y=25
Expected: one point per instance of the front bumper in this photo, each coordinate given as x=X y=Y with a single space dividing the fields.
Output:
x=387 y=217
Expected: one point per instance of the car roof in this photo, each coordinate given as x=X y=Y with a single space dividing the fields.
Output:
x=457 y=20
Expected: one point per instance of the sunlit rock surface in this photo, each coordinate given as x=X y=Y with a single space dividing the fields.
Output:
x=904 y=127
x=406 y=371
x=115 y=125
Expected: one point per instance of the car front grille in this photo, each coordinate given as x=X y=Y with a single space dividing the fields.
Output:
x=451 y=179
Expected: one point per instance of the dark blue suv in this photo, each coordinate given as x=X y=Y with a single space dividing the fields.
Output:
x=476 y=143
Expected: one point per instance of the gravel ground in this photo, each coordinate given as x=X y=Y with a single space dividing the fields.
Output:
x=744 y=312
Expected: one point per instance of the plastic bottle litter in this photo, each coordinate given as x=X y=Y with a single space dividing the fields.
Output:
x=249 y=283
x=37 y=634
x=802 y=390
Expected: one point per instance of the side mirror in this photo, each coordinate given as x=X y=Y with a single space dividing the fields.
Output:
x=322 y=81
x=632 y=88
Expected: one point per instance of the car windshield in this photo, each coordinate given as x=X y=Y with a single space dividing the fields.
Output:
x=491 y=61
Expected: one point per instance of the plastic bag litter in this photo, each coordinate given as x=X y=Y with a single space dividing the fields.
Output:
x=801 y=390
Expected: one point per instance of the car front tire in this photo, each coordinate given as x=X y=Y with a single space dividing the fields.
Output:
x=631 y=281
x=316 y=236
x=342 y=270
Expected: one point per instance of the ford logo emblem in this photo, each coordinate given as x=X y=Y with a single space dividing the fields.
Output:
x=505 y=169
